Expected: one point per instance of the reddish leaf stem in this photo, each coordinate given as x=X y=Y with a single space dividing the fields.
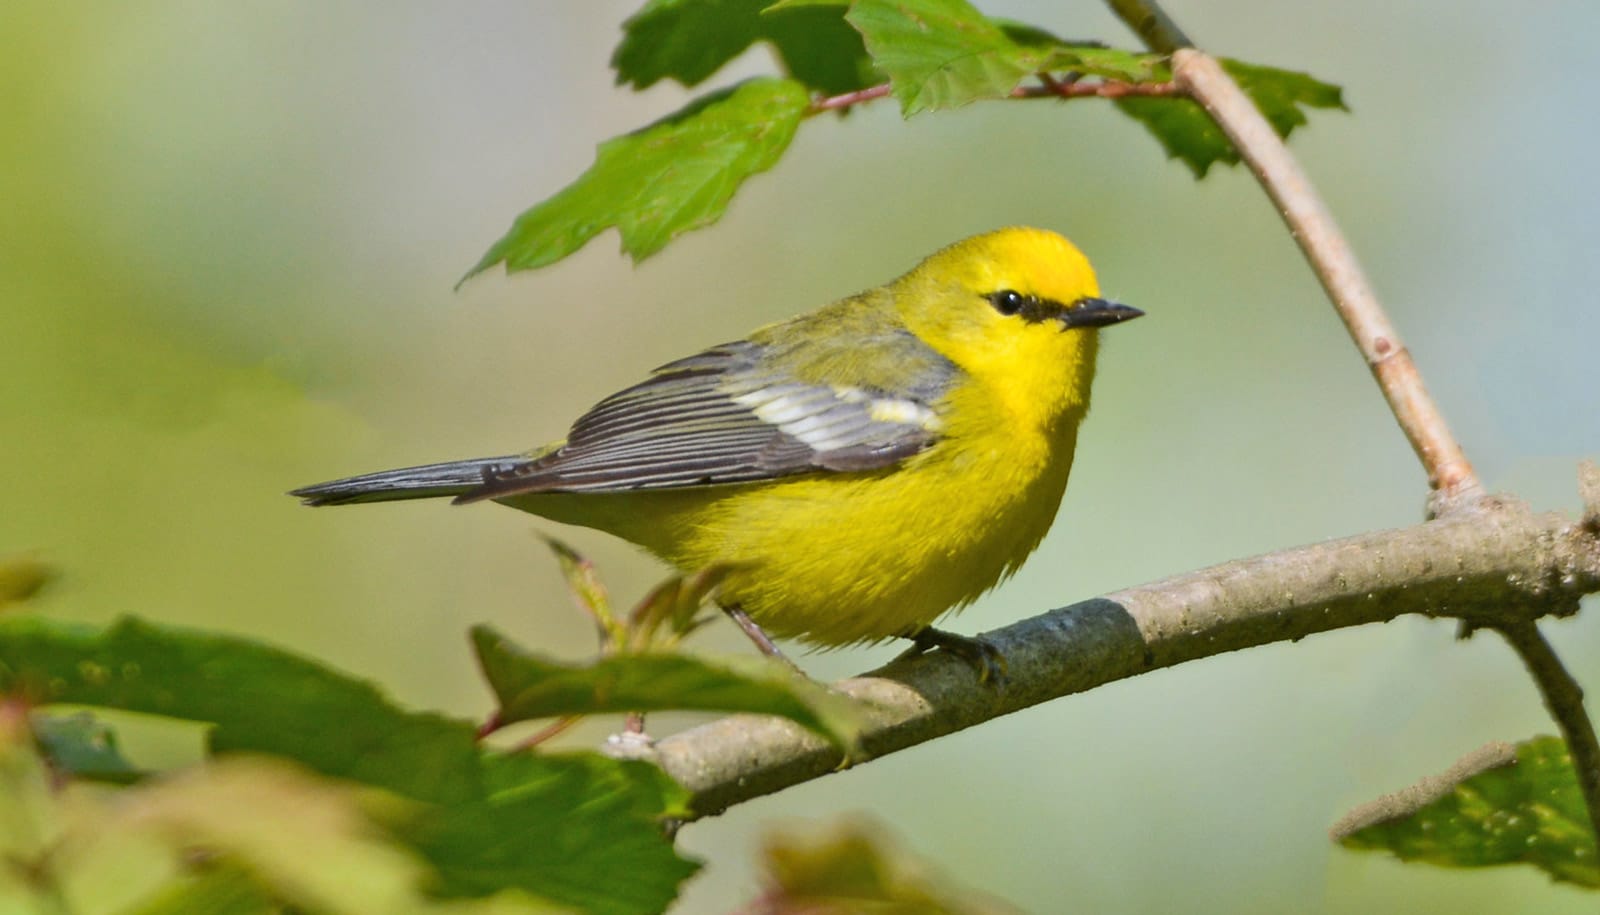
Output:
x=1050 y=87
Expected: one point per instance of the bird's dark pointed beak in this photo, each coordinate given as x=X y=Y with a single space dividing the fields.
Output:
x=1097 y=313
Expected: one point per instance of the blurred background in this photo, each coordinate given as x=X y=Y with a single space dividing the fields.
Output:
x=228 y=242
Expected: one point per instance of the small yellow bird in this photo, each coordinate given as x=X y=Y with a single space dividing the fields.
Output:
x=864 y=468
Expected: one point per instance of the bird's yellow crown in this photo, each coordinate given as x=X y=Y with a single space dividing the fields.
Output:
x=950 y=300
x=1030 y=261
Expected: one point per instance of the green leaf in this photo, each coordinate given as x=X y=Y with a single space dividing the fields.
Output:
x=1528 y=812
x=942 y=53
x=260 y=699
x=578 y=829
x=688 y=40
x=672 y=609
x=594 y=814
x=305 y=840
x=83 y=746
x=1186 y=132
x=530 y=687
x=586 y=588
x=1088 y=58
x=656 y=183
x=217 y=890
x=855 y=868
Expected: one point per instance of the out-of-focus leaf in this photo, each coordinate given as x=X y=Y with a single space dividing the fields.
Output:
x=674 y=604
x=688 y=40
x=656 y=183
x=83 y=746
x=563 y=827
x=856 y=869
x=21 y=577
x=586 y=588
x=605 y=813
x=260 y=699
x=305 y=839
x=300 y=839
x=1528 y=812
x=30 y=823
x=216 y=890
x=529 y=687
x=1187 y=133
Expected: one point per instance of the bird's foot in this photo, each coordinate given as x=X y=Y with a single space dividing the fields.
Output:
x=985 y=659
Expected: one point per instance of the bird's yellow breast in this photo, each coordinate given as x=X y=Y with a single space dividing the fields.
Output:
x=835 y=559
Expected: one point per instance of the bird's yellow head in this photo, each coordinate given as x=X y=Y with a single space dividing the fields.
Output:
x=1017 y=305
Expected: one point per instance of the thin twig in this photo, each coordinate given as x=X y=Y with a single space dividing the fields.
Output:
x=1431 y=788
x=1335 y=264
x=1105 y=89
x=1487 y=565
x=1152 y=24
x=1049 y=88
x=1564 y=698
x=848 y=99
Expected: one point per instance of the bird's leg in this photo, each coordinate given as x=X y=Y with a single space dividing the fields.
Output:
x=759 y=636
x=985 y=659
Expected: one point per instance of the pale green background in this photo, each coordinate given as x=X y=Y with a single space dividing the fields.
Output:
x=228 y=234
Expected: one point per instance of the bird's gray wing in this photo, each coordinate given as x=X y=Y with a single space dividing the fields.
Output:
x=732 y=414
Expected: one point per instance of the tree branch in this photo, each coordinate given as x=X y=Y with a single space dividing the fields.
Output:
x=1049 y=88
x=1335 y=264
x=1495 y=563
x=1152 y=24
x=1564 y=698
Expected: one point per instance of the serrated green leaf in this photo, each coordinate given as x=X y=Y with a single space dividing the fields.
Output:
x=1531 y=812
x=1187 y=133
x=1280 y=94
x=558 y=826
x=941 y=53
x=689 y=40
x=529 y=687
x=83 y=746
x=259 y=699
x=1088 y=58
x=659 y=182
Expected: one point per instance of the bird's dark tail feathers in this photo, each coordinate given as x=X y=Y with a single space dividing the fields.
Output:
x=428 y=481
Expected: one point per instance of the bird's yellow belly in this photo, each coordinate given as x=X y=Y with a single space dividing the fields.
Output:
x=838 y=559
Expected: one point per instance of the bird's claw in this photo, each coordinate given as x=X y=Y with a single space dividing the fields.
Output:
x=985 y=659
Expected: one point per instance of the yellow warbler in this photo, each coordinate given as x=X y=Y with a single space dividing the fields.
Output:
x=864 y=467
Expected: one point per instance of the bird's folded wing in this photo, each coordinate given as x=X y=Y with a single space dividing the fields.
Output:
x=735 y=413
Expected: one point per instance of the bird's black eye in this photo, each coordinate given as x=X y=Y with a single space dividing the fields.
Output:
x=1007 y=301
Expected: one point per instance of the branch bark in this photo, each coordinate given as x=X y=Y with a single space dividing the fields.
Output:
x=1314 y=229
x=1493 y=564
